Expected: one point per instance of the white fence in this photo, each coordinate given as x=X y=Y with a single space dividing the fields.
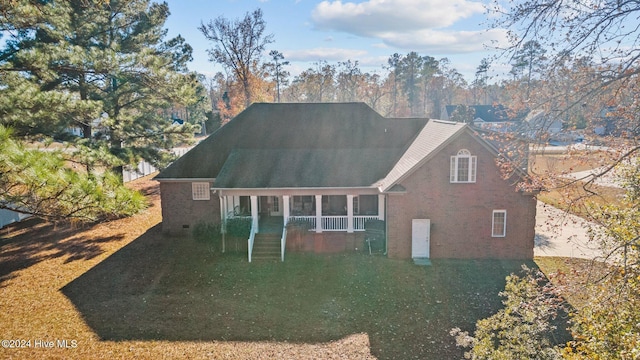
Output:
x=144 y=168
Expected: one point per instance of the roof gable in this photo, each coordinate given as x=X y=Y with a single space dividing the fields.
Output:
x=433 y=137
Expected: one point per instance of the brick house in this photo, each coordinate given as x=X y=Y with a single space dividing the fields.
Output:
x=434 y=183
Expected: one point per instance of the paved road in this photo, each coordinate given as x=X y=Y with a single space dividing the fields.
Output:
x=561 y=234
x=610 y=179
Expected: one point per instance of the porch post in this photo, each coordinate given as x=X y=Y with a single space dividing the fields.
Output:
x=254 y=212
x=349 y=213
x=223 y=219
x=318 y=213
x=285 y=208
x=381 y=206
x=223 y=212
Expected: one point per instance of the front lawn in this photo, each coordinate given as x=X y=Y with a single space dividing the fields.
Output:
x=172 y=289
x=123 y=290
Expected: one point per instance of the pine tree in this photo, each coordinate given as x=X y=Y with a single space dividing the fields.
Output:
x=111 y=62
x=104 y=67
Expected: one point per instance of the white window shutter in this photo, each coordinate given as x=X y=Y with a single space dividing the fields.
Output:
x=472 y=171
x=453 y=170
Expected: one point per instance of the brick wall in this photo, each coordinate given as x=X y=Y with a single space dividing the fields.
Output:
x=180 y=212
x=461 y=214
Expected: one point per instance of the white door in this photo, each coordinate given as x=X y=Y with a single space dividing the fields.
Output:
x=276 y=206
x=420 y=238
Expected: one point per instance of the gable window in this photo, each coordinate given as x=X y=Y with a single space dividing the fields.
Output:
x=463 y=167
x=499 y=223
x=200 y=191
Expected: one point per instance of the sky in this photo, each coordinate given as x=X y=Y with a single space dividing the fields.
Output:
x=369 y=31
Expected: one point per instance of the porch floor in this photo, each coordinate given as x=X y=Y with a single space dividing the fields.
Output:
x=271 y=224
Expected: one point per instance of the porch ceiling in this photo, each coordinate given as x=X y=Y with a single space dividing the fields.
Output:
x=314 y=168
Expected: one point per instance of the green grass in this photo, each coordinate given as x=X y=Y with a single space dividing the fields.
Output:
x=172 y=289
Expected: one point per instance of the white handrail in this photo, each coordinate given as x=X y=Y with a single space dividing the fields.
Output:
x=252 y=237
x=283 y=242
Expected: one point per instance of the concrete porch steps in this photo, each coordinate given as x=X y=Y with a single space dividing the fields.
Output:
x=266 y=247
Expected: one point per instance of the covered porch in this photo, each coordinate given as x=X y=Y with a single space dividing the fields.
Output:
x=331 y=211
x=347 y=213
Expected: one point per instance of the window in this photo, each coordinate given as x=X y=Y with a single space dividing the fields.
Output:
x=275 y=204
x=303 y=205
x=334 y=205
x=365 y=205
x=499 y=223
x=463 y=167
x=200 y=191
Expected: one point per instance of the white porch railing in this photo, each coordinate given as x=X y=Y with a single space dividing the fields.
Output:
x=335 y=223
x=252 y=237
x=360 y=220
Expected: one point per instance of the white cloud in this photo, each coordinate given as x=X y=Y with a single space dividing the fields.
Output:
x=328 y=54
x=380 y=45
x=420 y=25
x=372 y=17
x=441 y=42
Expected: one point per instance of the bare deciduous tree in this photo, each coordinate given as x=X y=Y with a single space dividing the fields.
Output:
x=238 y=45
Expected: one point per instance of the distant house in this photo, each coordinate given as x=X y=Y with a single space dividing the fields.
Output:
x=488 y=117
x=538 y=123
x=434 y=183
x=613 y=121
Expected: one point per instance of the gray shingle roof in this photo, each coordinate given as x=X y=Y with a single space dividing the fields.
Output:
x=434 y=135
x=286 y=168
x=313 y=146
x=295 y=127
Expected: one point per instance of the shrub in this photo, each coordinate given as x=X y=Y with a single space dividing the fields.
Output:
x=299 y=225
x=239 y=227
x=207 y=233
x=523 y=329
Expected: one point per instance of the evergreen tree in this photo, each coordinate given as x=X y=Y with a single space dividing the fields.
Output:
x=40 y=183
x=110 y=61
x=103 y=67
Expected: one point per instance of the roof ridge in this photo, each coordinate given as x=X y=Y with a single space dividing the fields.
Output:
x=439 y=121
